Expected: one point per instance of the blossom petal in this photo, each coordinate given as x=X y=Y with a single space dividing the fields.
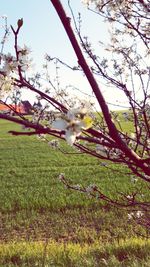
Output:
x=71 y=114
x=59 y=124
x=70 y=137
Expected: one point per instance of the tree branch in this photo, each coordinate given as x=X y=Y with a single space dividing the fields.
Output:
x=95 y=87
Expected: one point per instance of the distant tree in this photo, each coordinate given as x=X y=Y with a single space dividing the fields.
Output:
x=100 y=134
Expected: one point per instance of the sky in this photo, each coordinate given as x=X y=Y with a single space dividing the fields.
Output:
x=43 y=33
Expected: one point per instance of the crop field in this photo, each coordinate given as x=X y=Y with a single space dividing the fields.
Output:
x=45 y=224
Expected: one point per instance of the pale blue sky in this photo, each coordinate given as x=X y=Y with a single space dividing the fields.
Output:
x=43 y=32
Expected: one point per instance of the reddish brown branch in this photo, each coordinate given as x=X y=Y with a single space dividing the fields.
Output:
x=95 y=87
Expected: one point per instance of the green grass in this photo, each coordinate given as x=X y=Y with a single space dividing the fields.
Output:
x=133 y=252
x=36 y=207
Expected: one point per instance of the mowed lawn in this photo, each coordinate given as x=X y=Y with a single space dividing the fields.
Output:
x=45 y=224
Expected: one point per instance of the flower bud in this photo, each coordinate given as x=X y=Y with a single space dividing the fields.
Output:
x=20 y=23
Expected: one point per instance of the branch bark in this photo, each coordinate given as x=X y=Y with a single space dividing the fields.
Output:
x=113 y=132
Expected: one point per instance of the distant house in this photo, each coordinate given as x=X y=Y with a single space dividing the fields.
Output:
x=24 y=108
x=27 y=107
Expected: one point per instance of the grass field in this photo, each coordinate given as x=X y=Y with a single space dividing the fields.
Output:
x=44 y=224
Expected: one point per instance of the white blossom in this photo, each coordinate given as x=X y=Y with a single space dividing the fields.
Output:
x=91 y=188
x=4 y=16
x=6 y=84
x=24 y=51
x=86 y=2
x=41 y=137
x=134 y=179
x=129 y=197
x=77 y=187
x=100 y=149
x=133 y=135
x=130 y=215
x=53 y=143
x=115 y=153
x=9 y=64
x=139 y=214
x=73 y=123
x=24 y=60
x=61 y=176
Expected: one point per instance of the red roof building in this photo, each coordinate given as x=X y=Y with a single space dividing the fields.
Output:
x=22 y=108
